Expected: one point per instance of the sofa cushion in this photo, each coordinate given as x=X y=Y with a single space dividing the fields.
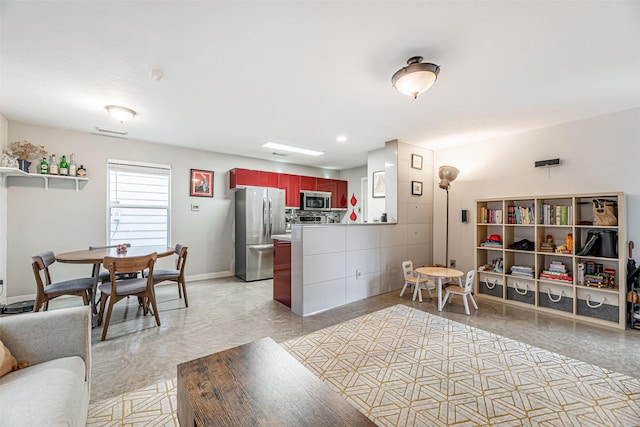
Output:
x=51 y=393
x=8 y=363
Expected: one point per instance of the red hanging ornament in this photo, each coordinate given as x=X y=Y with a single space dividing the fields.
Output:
x=343 y=201
x=353 y=215
x=353 y=200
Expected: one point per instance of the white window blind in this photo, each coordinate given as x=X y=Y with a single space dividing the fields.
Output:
x=139 y=203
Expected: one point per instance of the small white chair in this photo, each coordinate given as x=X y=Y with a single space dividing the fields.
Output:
x=410 y=280
x=463 y=291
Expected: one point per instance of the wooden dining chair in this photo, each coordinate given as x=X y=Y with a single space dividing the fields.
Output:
x=46 y=289
x=117 y=289
x=176 y=275
x=464 y=291
x=104 y=276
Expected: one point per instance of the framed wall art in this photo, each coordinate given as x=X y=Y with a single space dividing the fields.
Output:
x=201 y=183
x=379 y=186
x=416 y=161
x=416 y=188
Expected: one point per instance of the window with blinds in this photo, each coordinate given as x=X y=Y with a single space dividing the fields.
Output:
x=139 y=205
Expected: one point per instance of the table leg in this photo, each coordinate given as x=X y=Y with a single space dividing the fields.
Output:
x=440 y=304
x=416 y=289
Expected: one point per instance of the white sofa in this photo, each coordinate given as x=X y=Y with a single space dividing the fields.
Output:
x=54 y=389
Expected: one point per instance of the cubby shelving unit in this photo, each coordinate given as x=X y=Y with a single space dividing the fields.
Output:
x=540 y=219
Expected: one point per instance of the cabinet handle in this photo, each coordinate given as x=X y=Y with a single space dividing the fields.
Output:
x=521 y=292
x=595 y=305
x=551 y=296
x=490 y=285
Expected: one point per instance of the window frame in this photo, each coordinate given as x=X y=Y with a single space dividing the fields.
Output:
x=137 y=164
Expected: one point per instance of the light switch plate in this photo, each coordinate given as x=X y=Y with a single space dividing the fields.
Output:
x=195 y=207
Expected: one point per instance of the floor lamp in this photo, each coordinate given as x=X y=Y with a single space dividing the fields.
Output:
x=447 y=174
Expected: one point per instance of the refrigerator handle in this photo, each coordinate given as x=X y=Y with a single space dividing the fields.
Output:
x=270 y=220
x=264 y=217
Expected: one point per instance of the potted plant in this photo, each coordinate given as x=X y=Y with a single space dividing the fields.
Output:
x=26 y=152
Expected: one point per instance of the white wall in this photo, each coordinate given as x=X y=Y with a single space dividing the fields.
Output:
x=3 y=219
x=599 y=154
x=63 y=219
x=353 y=177
x=375 y=206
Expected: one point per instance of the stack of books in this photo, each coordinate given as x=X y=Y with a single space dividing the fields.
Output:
x=522 y=271
x=606 y=279
x=547 y=247
x=520 y=215
x=556 y=271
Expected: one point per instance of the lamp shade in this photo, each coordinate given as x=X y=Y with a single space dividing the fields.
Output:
x=447 y=174
x=122 y=114
x=416 y=77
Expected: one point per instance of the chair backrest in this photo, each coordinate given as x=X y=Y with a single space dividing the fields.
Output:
x=134 y=264
x=42 y=261
x=181 y=250
x=407 y=270
x=468 y=284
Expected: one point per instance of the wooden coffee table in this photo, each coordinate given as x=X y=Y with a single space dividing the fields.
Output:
x=258 y=384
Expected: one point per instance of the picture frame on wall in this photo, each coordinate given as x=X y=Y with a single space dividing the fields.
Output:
x=416 y=188
x=416 y=161
x=378 y=186
x=201 y=183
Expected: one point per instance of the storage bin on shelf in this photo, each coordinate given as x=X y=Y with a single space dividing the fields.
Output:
x=556 y=297
x=521 y=289
x=599 y=304
x=490 y=284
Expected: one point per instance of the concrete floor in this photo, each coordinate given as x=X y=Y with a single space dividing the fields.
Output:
x=227 y=312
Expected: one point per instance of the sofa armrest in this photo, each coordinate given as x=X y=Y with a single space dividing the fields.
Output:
x=48 y=335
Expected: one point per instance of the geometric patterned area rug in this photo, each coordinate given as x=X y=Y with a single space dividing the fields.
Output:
x=404 y=367
x=154 y=405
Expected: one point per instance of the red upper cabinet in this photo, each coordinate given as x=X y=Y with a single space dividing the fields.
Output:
x=339 y=197
x=240 y=177
x=291 y=185
x=308 y=183
x=324 y=184
x=269 y=179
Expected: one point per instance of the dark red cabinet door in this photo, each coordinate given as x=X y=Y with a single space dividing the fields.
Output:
x=339 y=197
x=308 y=183
x=269 y=179
x=291 y=185
x=282 y=272
x=239 y=177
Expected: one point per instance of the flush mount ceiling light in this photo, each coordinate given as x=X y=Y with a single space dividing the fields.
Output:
x=292 y=149
x=416 y=77
x=121 y=114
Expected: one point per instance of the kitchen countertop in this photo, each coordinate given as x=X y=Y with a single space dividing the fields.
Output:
x=284 y=237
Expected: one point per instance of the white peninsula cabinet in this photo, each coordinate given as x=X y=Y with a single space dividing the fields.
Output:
x=336 y=264
x=535 y=252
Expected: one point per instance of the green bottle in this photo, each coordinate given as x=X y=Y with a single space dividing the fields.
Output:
x=64 y=166
x=44 y=166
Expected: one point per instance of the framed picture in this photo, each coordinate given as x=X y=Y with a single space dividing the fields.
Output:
x=416 y=188
x=378 y=189
x=416 y=161
x=201 y=183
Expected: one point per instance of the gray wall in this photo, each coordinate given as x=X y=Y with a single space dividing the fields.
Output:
x=62 y=219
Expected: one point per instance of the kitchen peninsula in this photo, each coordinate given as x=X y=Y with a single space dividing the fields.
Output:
x=336 y=264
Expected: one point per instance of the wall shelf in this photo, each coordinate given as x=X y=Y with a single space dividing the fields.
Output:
x=13 y=172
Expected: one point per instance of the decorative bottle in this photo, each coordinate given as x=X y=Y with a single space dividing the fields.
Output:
x=64 y=166
x=82 y=171
x=53 y=165
x=44 y=166
x=73 y=167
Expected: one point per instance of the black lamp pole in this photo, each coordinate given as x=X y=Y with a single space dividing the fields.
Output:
x=447 y=232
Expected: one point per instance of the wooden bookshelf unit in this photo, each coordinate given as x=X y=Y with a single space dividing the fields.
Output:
x=541 y=262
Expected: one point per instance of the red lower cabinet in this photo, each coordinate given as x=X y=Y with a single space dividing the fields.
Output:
x=282 y=272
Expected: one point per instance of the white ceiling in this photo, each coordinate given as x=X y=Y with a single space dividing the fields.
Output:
x=237 y=74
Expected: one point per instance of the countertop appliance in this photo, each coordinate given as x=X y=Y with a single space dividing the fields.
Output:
x=315 y=201
x=259 y=214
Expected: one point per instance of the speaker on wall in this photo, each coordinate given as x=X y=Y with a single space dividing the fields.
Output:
x=465 y=215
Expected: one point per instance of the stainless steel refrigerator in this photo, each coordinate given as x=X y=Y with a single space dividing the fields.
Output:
x=259 y=214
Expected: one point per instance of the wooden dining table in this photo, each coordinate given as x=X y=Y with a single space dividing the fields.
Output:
x=438 y=273
x=97 y=256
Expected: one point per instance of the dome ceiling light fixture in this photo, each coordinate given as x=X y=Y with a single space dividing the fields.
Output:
x=416 y=77
x=121 y=114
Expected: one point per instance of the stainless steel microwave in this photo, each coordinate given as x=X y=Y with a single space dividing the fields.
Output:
x=315 y=201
